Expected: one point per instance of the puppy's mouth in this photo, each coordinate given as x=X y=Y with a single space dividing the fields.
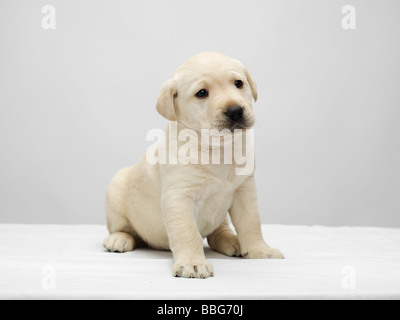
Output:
x=231 y=125
x=237 y=125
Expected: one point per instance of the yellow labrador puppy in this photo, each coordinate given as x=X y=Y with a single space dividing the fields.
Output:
x=174 y=205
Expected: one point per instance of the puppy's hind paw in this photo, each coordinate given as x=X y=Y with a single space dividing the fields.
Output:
x=265 y=254
x=119 y=242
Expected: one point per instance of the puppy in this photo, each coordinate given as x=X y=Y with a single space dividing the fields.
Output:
x=174 y=205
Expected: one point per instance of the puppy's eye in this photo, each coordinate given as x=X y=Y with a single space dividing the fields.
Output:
x=239 y=84
x=203 y=93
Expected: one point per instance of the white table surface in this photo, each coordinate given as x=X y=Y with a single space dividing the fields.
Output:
x=69 y=262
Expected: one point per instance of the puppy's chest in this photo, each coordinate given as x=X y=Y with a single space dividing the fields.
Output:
x=213 y=199
x=216 y=195
x=211 y=206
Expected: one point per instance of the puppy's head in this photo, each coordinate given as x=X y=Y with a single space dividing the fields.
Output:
x=209 y=91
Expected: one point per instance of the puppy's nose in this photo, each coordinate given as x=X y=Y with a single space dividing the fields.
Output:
x=235 y=113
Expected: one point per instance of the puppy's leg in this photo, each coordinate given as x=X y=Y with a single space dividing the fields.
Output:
x=223 y=240
x=122 y=237
x=246 y=219
x=185 y=240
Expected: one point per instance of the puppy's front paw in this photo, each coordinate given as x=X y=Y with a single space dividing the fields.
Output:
x=193 y=269
x=263 y=252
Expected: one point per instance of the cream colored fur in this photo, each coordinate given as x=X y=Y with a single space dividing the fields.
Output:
x=175 y=206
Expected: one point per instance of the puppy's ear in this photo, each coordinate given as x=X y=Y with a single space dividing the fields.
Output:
x=166 y=100
x=252 y=84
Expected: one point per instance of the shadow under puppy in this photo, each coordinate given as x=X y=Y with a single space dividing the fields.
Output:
x=173 y=206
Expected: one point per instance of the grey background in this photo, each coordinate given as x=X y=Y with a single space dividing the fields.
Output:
x=76 y=102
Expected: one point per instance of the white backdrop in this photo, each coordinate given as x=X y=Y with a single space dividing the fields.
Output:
x=77 y=101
